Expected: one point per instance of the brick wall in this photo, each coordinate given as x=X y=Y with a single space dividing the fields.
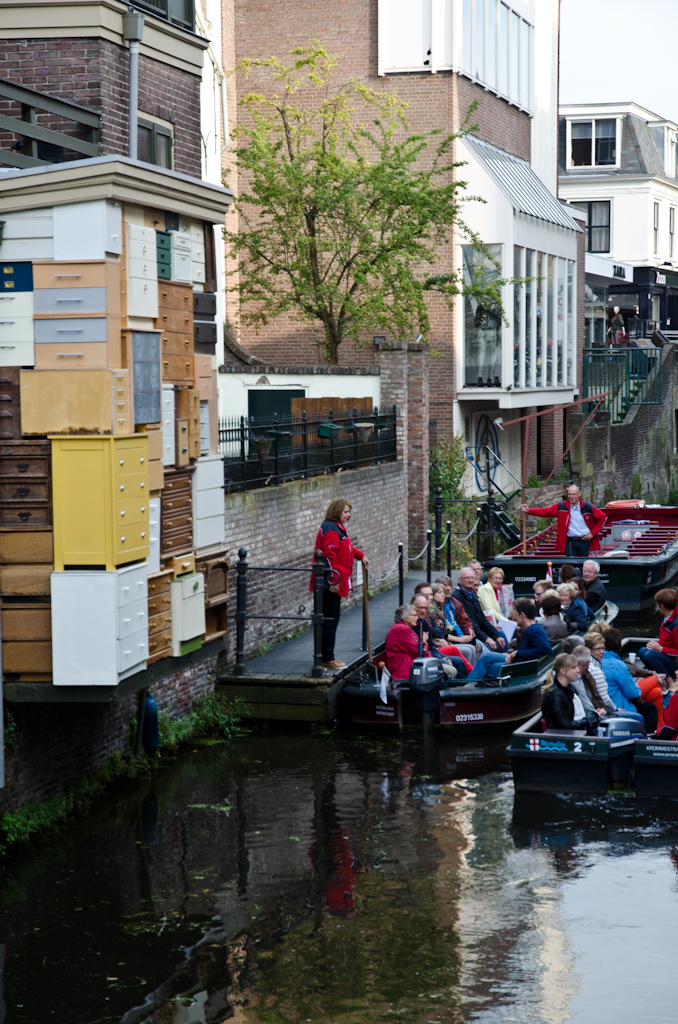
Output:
x=278 y=526
x=95 y=73
x=58 y=742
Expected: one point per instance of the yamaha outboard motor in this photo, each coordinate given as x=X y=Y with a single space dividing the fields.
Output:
x=426 y=679
x=622 y=733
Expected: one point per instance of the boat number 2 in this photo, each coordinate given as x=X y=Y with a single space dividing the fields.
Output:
x=577 y=747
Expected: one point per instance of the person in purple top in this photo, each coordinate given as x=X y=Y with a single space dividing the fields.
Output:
x=535 y=643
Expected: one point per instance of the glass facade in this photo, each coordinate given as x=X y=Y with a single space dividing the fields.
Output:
x=560 y=321
x=497 y=49
x=482 y=322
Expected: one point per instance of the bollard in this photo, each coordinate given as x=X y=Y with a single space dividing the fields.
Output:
x=449 y=548
x=490 y=522
x=479 y=513
x=141 y=714
x=401 y=576
x=240 y=612
x=439 y=525
x=428 y=556
x=318 y=582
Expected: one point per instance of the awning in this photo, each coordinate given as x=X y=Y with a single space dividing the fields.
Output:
x=525 y=191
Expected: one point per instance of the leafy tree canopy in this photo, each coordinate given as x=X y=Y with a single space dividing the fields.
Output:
x=342 y=209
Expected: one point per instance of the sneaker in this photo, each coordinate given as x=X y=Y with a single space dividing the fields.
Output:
x=334 y=665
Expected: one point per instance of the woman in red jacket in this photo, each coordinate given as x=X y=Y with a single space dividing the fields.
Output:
x=660 y=655
x=402 y=643
x=339 y=554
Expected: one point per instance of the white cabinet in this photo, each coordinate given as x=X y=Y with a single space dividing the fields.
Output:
x=99 y=625
x=154 y=535
x=28 y=235
x=168 y=431
x=87 y=231
x=142 y=271
x=207 y=486
x=187 y=595
x=16 y=329
x=142 y=297
x=181 y=266
x=204 y=427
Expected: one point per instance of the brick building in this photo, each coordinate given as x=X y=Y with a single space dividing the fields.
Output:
x=440 y=56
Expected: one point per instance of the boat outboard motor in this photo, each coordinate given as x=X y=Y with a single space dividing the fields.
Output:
x=622 y=733
x=426 y=679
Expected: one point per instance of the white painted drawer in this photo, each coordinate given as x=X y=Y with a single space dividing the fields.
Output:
x=154 y=535
x=16 y=328
x=180 y=240
x=146 y=269
x=131 y=584
x=17 y=353
x=133 y=650
x=137 y=233
x=168 y=431
x=181 y=267
x=142 y=297
x=141 y=251
x=198 y=273
x=132 y=617
x=197 y=232
x=209 y=473
x=197 y=253
x=18 y=304
x=208 y=503
x=208 y=532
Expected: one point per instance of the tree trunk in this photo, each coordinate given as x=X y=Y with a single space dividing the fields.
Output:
x=332 y=342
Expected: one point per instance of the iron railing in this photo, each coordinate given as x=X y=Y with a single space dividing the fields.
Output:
x=633 y=376
x=37 y=144
x=260 y=451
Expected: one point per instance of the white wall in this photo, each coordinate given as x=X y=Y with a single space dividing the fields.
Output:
x=233 y=387
x=545 y=94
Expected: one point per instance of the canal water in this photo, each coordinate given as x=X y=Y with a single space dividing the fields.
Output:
x=336 y=878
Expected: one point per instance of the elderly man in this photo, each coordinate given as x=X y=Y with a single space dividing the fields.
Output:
x=429 y=632
x=596 y=595
x=466 y=595
x=579 y=523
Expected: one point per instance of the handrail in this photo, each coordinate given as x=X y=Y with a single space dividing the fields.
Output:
x=32 y=133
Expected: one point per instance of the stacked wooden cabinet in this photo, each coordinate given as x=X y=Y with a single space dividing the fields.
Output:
x=111 y=500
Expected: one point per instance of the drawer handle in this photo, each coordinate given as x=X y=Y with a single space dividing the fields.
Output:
x=142 y=484
x=69 y=300
x=123 y=539
x=7 y=321
x=25 y=516
x=143 y=535
x=143 y=508
x=23 y=491
x=122 y=462
x=125 y=620
x=22 y=466
x=7 y=298
x=69 y=355
x=122 y=487
x=122 y=513
x=7 y=346
x=125 y=589
x=67 y=275
x=70 y=330
x=142 y=460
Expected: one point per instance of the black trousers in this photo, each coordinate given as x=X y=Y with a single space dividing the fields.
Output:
x=331 y=612
x=577 y=548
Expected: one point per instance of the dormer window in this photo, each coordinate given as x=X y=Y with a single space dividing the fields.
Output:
x=593 y=143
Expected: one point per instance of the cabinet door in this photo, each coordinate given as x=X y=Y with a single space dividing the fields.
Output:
x=181 y=266
x=209 y=532
x=84 y=644
x=132 y=651
x=113 y=226
x=154 y=535
x=145 y=268
x=81 y=231
x=146 y=406
x=209 y=473
x=142 y=298
x=70 y=300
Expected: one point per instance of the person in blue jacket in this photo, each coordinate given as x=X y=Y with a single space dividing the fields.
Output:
x=576 y=612
x=621 y=686
x=535 y=643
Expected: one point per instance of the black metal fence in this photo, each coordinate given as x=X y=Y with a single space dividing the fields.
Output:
x=259 y=451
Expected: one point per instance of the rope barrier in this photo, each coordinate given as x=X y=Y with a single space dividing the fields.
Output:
x=417 y=557
x=473 y=530
x=380 y=579
x=441 y=546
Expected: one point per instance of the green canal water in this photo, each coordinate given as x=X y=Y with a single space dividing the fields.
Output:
x=337 y=878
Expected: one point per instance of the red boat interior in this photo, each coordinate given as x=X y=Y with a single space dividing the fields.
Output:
x=641 y=532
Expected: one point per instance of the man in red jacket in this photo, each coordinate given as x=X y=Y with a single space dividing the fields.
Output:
x=579 y=523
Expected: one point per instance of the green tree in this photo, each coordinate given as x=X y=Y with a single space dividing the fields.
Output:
x=342 y=209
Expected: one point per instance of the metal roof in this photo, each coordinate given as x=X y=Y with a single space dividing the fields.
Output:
x=524 y=190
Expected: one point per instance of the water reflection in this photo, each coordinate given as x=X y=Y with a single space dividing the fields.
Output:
x=332 y=877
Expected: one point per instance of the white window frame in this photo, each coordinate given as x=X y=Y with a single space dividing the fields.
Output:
x=592 y=121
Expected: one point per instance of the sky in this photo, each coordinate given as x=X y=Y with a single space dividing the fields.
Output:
x=618 y=50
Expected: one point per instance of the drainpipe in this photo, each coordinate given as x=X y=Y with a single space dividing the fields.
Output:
x=133 y=33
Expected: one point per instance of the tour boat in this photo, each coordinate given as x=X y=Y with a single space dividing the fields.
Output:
x=638 y=556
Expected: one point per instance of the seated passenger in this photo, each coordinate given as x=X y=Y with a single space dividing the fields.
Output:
x=488 y=594
x=550 y=619
x=574 y=610
x=535 y=643
x=540 y=588
x=402 y=644
x=596 y=595
x=669 y=729
x=567 y=574
x=660 y=655
x=441 y=618
x=596 y=647
x=558 y=704
x=585 y=686
x=622 y=688
x=455 y=614
x=436 y=638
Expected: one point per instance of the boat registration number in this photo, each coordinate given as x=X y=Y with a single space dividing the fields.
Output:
x=477 y=717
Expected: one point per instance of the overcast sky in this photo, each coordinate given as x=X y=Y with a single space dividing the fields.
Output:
x=614 y=50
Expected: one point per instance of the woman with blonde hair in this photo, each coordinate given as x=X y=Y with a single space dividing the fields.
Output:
x=488 y=594
x=338 y=554
x=559 y=707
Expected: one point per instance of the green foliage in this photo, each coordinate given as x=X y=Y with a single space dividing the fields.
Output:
x=673 y=494
x=11 y=735
x=532 y=481
x=636 y=486
x=342 y=206
x=448 y=461
x=608 y=494
x=208 y=715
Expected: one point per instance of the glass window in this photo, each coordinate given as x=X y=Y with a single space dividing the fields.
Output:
x=539 y=346
x=491 y=45
x=467 y=38
x=656 y=230
x=154 y=144
x=672 y=227
x=529 y=286
x=482 y=323
x=581 y=133
x=560 y=321
x=514 y=60
x=503 y=49
x=525 y=64
x=479 y=39
x=549 y=321
x=598 y=226
x=606 y=142
x=569 y=355
x=517 y=322
x=144 y=144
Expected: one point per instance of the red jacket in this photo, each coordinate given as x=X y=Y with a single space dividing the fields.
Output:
x=668 y=635
x=593 y=517
x=338 y=553
x=402 y=647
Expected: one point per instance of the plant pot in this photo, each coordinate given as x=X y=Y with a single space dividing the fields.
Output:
x=364 y=431
x=262 y=446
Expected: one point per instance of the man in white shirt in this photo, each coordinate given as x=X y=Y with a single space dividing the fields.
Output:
x=579 y=523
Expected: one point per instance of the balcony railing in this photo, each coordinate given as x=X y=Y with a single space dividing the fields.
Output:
x=177 y=12
x=38 y=145
x=264 y=451
x=633 y=376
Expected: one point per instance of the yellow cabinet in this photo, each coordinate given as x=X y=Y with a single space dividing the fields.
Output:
x=100 y=491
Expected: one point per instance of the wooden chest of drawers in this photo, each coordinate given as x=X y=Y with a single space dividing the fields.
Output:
x=159 y=616
x=25 y=568
x=10 y=404
x=71 y=401
x=25 y=496
x=176 y=516
x=175 y=320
